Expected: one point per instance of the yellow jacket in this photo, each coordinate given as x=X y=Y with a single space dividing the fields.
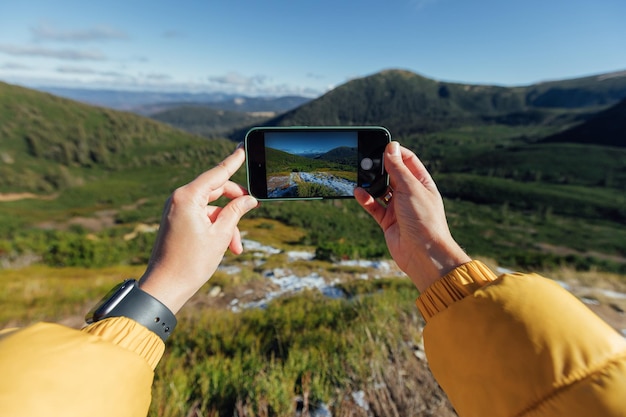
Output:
x=104 y=370
x=518 y=345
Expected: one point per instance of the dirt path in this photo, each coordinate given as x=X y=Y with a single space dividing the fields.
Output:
x=5 y=197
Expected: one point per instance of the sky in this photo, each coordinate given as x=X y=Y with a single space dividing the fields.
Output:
x=285 y=47
x=310 y=142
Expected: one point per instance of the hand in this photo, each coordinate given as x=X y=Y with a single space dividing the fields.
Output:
x=194 y=236
x=414 y=220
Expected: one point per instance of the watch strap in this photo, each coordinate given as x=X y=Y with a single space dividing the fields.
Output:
x=143 y=308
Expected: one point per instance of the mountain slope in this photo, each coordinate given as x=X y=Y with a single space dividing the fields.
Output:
x=597 y=90
x=605 y=128
x=402 y=101
x=206 y=121
x=407 y=103
x=49 y=143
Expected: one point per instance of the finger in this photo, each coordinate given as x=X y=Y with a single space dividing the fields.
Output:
x=230 y=215
x=229 y=189
x=236 y=246
x=373 y=207
x=216 y=177
x=404 y=167
x=213 y=212
x=417 y=168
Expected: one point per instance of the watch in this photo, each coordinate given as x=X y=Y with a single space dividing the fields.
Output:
x=128 y=300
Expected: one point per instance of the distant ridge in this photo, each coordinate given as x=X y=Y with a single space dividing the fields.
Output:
x=605 y=128
x=408 y=103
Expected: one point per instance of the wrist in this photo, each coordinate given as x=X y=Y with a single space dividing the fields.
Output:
x=128 y=300
x=438 y=261
x=170 y=291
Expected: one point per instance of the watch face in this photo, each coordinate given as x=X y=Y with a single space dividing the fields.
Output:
x=109 y=301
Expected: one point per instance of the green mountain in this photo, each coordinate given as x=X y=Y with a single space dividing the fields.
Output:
x=280 y=162
x=206 y=121
x=407 y=103
x=597 y=90
x=605 y=128
x=344 y=155
x=50 y=144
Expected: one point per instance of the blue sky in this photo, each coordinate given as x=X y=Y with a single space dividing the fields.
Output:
x=278 y=47
x=310 y=142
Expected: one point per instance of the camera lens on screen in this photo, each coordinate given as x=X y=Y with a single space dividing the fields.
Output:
x=367 y=164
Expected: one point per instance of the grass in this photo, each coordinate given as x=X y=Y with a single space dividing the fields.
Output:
x=301 y=351
x=41 y=293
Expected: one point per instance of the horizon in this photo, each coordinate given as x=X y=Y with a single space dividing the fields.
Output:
x=252 y=50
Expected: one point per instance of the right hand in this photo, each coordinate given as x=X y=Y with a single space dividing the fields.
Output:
x=414 y=221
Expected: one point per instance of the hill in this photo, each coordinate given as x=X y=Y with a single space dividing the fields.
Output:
x=605 y=128
x=207 y=121
x=49 y=143
x=344 y=155
x=597 y=90
x=407 y=103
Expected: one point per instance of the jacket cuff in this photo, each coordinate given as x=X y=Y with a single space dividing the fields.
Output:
x=458 y=284
x=130 y=335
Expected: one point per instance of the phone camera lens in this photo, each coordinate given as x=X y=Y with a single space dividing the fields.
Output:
x=367 y=164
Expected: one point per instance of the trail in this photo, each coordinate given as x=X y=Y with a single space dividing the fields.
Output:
x=283 y=186
x=23 y=196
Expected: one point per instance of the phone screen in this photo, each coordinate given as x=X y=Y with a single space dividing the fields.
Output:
x=314 y=163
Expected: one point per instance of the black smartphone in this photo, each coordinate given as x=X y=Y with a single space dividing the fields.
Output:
x=311 y=163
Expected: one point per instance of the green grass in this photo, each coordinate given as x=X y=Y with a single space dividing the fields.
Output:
x=306 y=345
x=41 y=293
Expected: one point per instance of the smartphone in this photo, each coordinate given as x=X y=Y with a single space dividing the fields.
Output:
x=312 y=163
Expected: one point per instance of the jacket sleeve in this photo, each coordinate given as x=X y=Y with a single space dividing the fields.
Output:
x=520 y=345
x=104 y=370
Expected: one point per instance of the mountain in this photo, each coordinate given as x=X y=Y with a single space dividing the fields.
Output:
x=605 y=128
x=597 y=90
x=207 y=121
x=408 y=103
x=344 y=155
x=147 y=103
x=129 y=100
x=50 y=143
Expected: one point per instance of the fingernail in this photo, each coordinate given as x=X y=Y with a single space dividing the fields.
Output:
x=250 y=203
x=240 y=145
x=394 y=148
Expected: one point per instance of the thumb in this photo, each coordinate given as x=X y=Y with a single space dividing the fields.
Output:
x=395 y=166
x=233 y=211
x=406 y=170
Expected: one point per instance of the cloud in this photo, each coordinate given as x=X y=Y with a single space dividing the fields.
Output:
x=256 y=85
x=237 y=80
x=315 y=76
x=46 y=32
x=90 y=71
x=66 y=54
x=158 y=77
x=15 y=66
x=75 y=70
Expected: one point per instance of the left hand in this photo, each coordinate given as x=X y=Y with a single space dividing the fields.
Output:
x=194 y=236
